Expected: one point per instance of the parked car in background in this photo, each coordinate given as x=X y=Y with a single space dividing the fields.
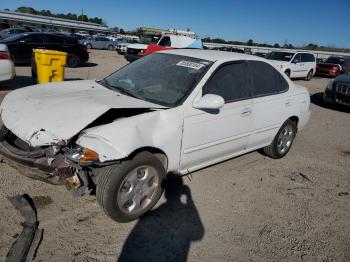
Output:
x=294 y=64
x=100 y=42
x=7 y=68
x=333 y=66
x=123 y=44
x=21 y=47
x=229 y=49
x=260 y=54
x=174 y=111
x=338 y=90
x=12 y=31
x=167 y=41
x=80 y=38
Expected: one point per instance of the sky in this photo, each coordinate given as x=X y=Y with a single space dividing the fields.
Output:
x=299 y=22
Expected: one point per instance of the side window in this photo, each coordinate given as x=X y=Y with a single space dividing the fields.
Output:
x=297 y=58
x=266 y=79
x=52 y=39
x=165 y=41
x=304 y=58
x=311 y=58
x=33 y=39
x=230 y=81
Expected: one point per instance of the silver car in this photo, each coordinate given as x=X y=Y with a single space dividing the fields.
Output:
x=100 y=43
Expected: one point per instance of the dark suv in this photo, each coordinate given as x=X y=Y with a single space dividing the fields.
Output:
x=21 y=47
x=338 y=90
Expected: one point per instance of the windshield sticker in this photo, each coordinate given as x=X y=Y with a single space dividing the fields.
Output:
x=190 y=64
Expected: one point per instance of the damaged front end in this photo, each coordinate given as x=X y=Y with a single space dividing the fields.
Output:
x=58 y=164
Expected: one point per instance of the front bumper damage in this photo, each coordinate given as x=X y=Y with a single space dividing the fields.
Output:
x=51 y=169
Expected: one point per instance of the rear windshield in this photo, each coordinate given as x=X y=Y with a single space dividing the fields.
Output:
x=335 y=60
x=280 y=56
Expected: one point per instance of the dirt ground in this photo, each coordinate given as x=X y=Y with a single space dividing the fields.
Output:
x=250 y=208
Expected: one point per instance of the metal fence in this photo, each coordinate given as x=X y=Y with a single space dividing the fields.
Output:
x=255 y=49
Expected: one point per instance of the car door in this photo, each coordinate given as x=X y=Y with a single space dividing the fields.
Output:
x=271 y=103
x=210 y=136
x=54 y=42
x=98 y=43
x=297 y=66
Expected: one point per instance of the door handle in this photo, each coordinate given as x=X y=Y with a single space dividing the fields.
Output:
x=288 y=102
x=246 y=112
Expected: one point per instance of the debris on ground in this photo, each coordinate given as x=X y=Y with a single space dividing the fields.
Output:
x=27 y=242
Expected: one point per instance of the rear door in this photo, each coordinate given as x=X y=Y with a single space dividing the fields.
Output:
x=271 y=104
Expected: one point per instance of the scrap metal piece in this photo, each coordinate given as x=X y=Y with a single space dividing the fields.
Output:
x=30 y=235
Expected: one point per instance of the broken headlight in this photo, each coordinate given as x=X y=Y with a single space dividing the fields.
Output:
x=83 y=156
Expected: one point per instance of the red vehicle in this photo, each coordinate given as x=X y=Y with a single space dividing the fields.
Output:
x=333 y=66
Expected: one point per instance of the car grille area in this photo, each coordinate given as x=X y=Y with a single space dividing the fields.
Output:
x=14 y=141
x=343 y=88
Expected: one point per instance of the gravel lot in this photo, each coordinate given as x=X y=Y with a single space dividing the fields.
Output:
x=251 y=208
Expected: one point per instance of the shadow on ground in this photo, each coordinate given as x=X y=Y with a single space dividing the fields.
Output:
x=317 y=99
x=166 y=233
x=88 y=64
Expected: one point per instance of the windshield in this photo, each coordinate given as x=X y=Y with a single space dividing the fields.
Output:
x=148 y=40
x=280 y=56
x=15 y=37
x=163 y=79
x=334 y=60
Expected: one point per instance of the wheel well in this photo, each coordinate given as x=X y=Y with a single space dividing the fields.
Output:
x=287 y=70
x=155 y=151
x=295 y=119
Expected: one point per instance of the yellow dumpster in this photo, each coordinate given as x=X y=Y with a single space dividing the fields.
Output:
x=49 y=65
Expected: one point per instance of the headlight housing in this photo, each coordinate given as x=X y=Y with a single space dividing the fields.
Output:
x=83 y=156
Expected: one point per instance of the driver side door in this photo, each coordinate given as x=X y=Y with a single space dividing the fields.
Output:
x=210 y=136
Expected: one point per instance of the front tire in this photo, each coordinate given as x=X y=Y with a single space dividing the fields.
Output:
x=88 y=46
x=283 y=140
x=127 y=190
x=110 y=48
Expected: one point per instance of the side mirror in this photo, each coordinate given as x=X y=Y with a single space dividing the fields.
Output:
x=209 y=101
x=295 y=61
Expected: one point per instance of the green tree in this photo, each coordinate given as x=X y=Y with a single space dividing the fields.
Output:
x=250 y=42
x=276 y=45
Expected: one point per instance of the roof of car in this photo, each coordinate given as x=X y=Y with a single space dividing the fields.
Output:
x=212 y=55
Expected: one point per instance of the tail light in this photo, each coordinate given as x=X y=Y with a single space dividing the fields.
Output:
x=5 y=55
x=83 y=48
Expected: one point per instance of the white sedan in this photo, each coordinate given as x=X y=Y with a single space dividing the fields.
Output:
x=173 y=112
x=7 y=68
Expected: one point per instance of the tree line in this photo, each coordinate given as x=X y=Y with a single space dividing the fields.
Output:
x=70 y=16
x=250 y=42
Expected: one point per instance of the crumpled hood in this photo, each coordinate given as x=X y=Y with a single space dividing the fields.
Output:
x=49 y=113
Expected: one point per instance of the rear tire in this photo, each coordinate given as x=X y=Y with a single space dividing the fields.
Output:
x=73 y=60
x=283 y=140
x=127 y=190
x=309 y=75
x=110 y=48
x=88 y=46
